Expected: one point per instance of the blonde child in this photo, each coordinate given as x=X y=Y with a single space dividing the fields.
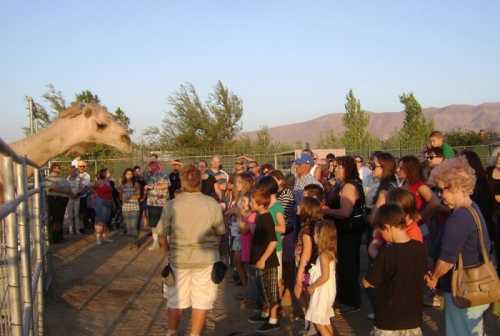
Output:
x=323 y=288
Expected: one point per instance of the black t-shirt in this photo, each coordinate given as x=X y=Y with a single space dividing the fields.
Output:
x=398 y=274
x=207 y=186
x=263 y=235
x=175 y=183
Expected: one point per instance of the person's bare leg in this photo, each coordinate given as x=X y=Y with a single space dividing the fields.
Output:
x=239 y=267
x=98 y=232
x=173 y=318
x=198 y=317
x=323 y=330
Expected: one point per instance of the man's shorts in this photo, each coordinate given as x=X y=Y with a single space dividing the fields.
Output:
x=154 y=215
x=408 y=332
x=268 y=279
x=193 y=288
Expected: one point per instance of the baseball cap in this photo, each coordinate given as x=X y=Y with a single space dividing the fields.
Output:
x=305 y=159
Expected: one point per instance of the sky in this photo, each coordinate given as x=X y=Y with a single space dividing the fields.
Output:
x=289 y=61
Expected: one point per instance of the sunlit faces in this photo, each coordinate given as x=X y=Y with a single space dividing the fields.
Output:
x=436 y=142
x=340 y=172
x=202 y=166
x=401 y=172
x=129 y=175
x=376 y=168
x=448 y=197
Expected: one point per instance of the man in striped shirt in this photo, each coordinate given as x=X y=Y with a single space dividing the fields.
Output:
x=303 y=166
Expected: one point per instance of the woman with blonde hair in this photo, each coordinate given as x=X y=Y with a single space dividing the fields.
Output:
x=456 y=179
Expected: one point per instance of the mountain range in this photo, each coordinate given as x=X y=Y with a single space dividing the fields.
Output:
x=485 y=116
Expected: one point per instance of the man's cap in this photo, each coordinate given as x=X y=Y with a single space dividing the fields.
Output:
x=305 y=159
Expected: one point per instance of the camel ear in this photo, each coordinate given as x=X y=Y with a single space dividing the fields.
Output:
x=88 y=112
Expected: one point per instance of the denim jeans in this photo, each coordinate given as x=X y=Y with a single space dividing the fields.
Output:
x=463 y=322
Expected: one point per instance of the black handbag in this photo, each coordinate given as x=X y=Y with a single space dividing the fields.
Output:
x=219 y=272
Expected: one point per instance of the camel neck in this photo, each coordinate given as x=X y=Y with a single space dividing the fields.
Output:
x=44 y=145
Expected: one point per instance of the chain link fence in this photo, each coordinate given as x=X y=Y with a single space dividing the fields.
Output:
x=280 y=160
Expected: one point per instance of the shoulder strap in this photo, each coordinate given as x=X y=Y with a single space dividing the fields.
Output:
x=477 y=221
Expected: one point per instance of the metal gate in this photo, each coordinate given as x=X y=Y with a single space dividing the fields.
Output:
x=23 y=246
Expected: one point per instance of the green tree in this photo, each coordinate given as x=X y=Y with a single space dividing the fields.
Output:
x=328 y=139
x=416 y=128
x=192 y=123
x=264 y=141
x=123 y=119
x=55 y=99
x=87 y=96
x=355 y=122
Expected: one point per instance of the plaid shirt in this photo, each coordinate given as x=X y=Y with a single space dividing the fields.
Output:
x=300 y=183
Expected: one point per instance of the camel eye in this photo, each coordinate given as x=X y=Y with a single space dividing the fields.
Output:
x=101 y=126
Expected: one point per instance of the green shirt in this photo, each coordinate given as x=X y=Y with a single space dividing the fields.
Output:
x=448 y=152
x=274 y=210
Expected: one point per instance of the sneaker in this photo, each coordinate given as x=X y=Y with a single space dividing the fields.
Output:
x=371 y=316
x=98 y=242
x=257 y=318
x=344 y=309
x=267 y=328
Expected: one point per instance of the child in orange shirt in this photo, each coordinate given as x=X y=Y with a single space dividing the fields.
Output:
x=406 y=201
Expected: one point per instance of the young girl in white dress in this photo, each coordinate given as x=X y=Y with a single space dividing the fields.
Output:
x=322 y=274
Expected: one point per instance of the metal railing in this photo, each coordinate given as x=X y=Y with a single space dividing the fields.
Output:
x=23 y=246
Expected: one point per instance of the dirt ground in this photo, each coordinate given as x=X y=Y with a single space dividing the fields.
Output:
x=115 y=289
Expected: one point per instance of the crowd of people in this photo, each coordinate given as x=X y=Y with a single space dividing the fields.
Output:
x=295 y=239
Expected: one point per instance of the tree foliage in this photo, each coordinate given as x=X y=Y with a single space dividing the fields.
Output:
x=55 y=99
x=416 y=128
x=86 y=96
x=123 y=120
x=355 y=122
x=195 y=124
x=328 y=139
x=461 y=137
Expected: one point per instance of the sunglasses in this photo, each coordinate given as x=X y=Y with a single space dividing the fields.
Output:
x=440 y=191
x=82 y=166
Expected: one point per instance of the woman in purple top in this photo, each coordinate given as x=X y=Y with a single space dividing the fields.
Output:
x=456 y=180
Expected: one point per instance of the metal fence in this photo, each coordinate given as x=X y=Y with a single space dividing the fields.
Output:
x=280 y=160
x=483 y=151
x=23 y=246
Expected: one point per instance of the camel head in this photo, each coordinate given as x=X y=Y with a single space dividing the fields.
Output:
x=95 y=125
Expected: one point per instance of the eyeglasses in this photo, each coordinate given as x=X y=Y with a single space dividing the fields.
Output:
x=82 y=166
x=430 y=157
x=440 y=191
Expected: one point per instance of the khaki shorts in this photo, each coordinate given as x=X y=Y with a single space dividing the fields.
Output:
x=193 y=288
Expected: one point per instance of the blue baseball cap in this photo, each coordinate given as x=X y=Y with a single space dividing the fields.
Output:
x=305 y=159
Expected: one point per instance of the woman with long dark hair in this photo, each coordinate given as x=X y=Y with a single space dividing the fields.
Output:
x=130 y=193
x=102 y=195
x=349 y=216
x=410 y=172
x=482 y=194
